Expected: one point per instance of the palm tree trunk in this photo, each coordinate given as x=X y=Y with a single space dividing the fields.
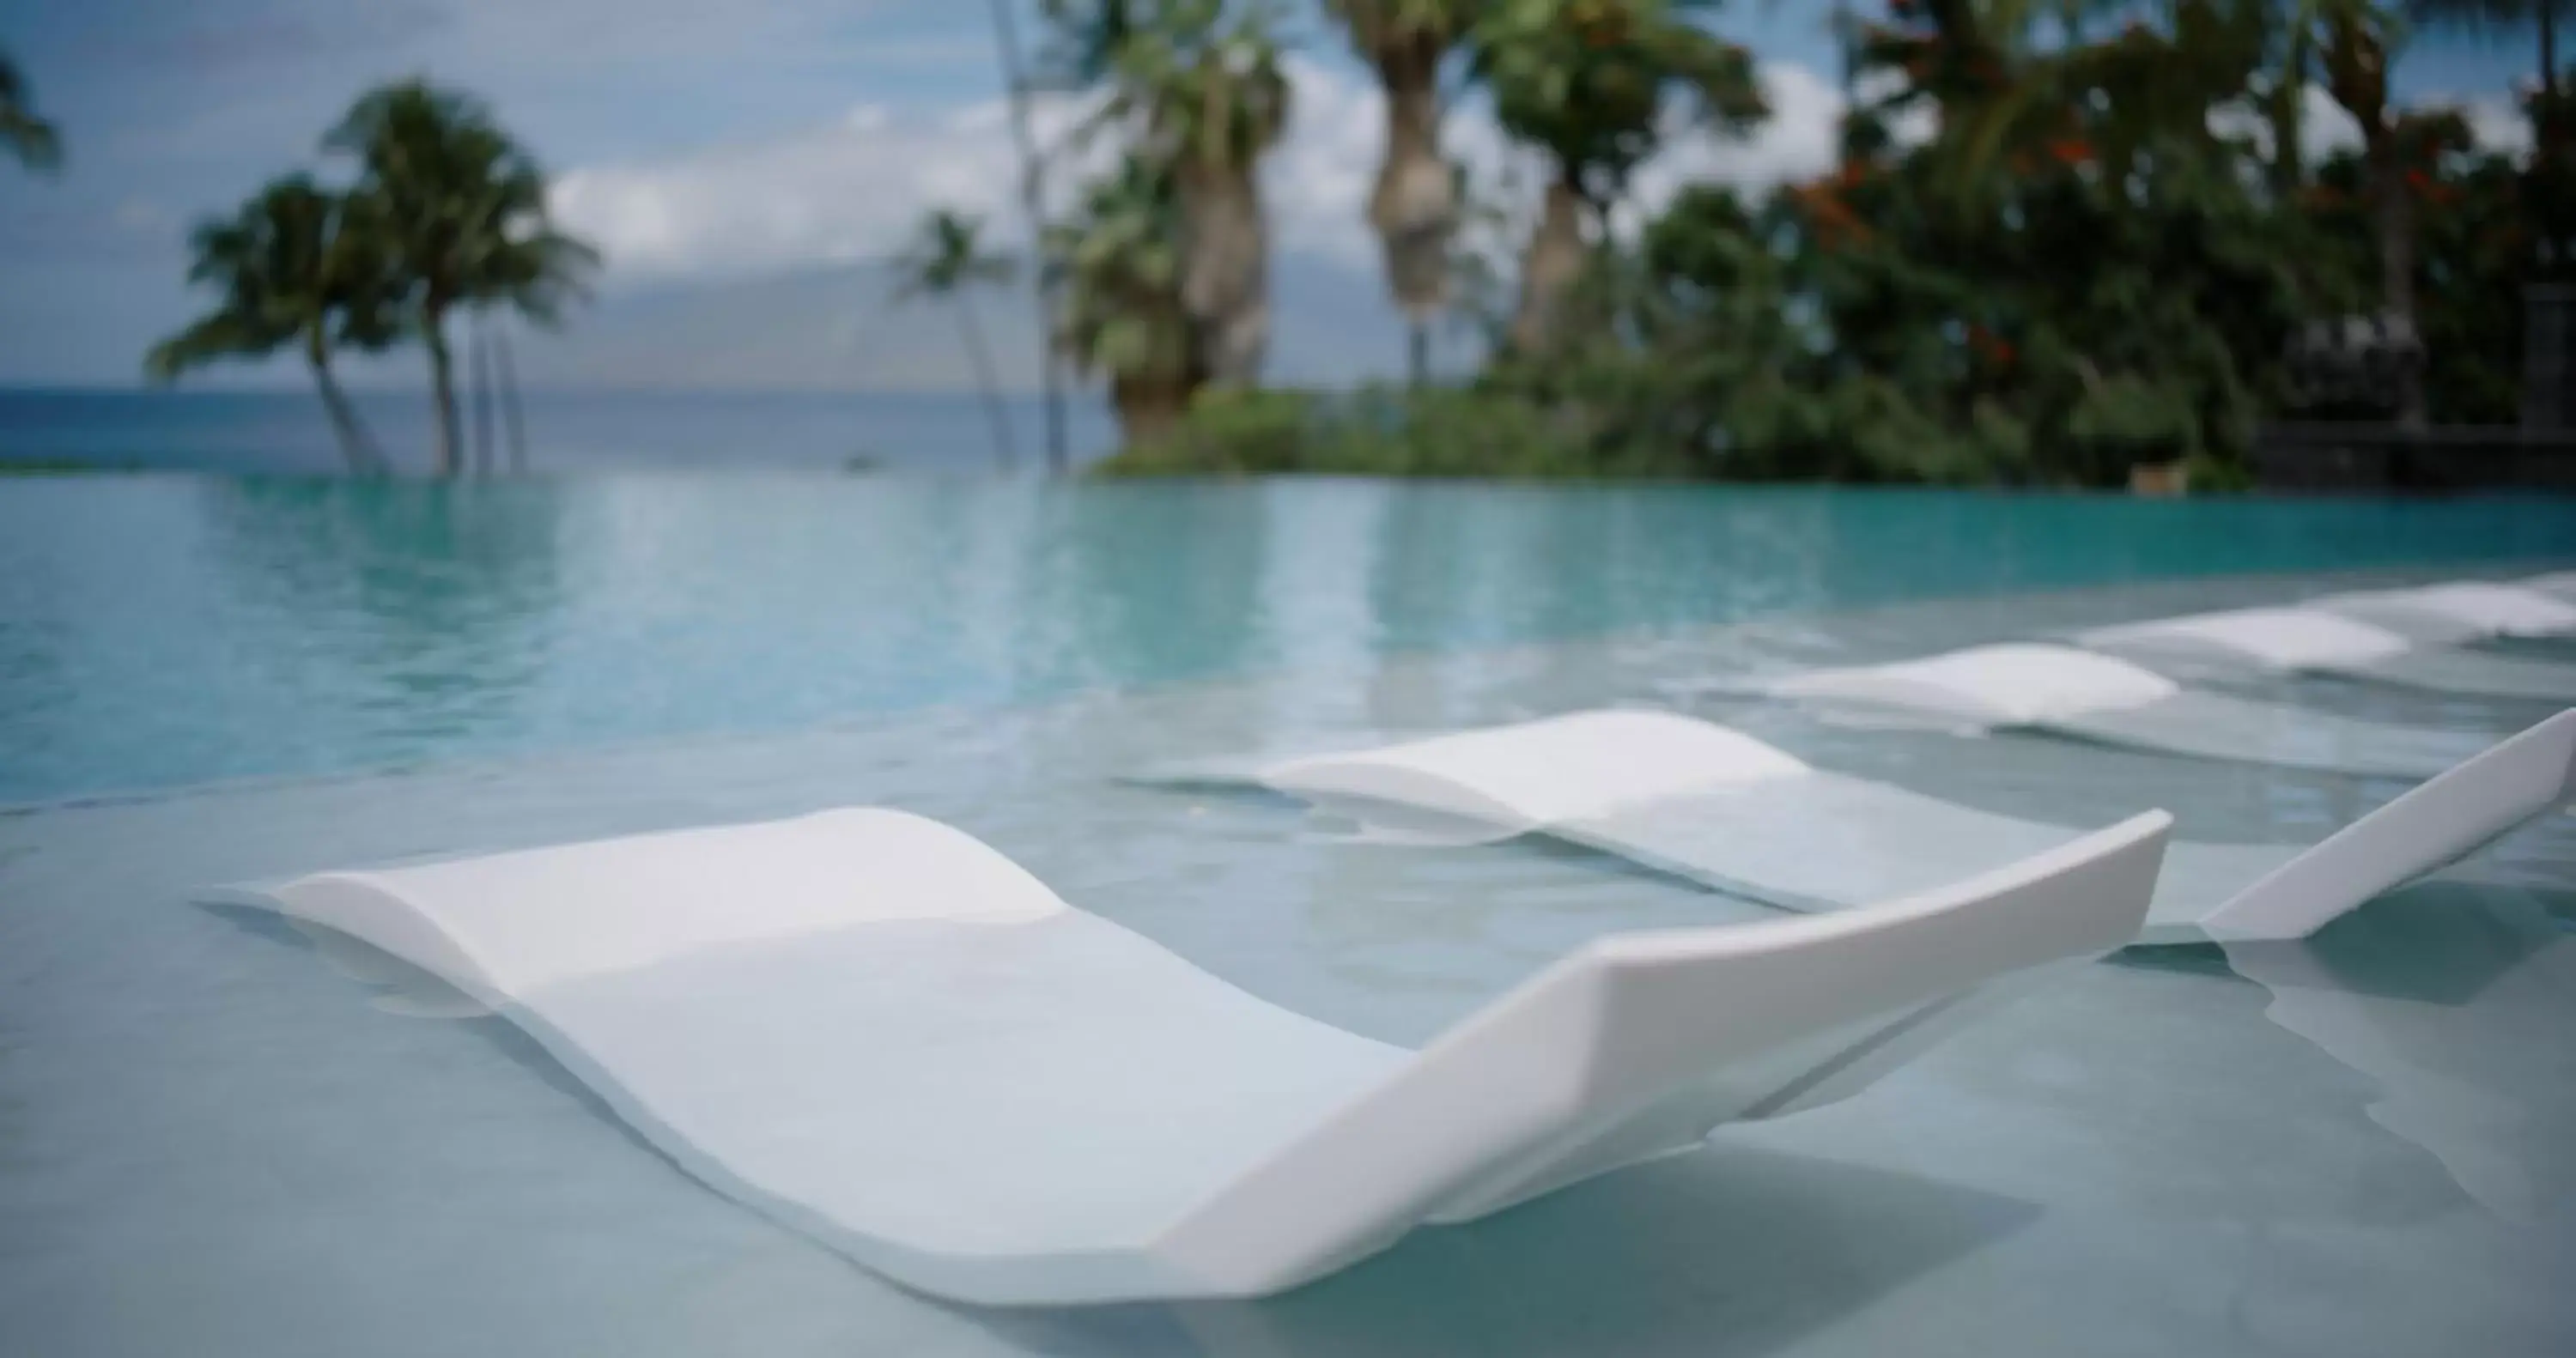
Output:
x=2394 y=214
x=1149 y=408
x=511 y=416
x=1417 y=353
x=1414 y=207
x=985 y=381
x=356 y=448
x=479 y=386
x=1548 y=268
x=1032 y=203
x=442 y=389
x=1225 y=273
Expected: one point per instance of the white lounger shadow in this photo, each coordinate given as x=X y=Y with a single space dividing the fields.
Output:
x=1702 y=801
x=2098 y=697
x=2321 y=641
x=2468 y=610
x=880 y=1030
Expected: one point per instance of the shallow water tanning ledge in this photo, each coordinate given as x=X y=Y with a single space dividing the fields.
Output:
x=885 y=1033
x=1706 y=802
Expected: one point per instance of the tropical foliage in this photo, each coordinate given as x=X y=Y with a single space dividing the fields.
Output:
x=25 y=136
x=1588 y=82
x=297 y=267
x=1165 y=263
x=464 y=214
x=2053 y=248
x=446 y=214
x=1122 y=313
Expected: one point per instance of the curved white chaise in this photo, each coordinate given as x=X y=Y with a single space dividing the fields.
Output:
x=2466 y=610
x=2100 y=697
x=1702 y=801
x=885 y=1033
x=2302 y=640
x=2559 y=585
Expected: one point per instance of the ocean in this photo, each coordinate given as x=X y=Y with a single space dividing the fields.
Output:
x=567 y=431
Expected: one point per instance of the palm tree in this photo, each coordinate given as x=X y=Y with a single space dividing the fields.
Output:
x=1123 y=314
x=1414 y=206
x=2284 y=101
x=1977 y=66
x=1586 y=81
x=2357 y=45
x=28 y=137
x=484 y=456
x=465 y=214
x=1204 y=95
x=297 y=266
x=944 y=262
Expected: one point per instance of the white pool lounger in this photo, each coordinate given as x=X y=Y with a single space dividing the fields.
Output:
x=2099 y=697
x=2468 y=610
x=1702 y=801
x=885 y=1033
x=2560 y=585
x=2321 y=641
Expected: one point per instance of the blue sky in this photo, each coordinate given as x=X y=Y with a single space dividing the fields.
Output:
x=706 y=145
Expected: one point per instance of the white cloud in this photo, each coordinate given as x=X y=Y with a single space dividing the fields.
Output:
x=2496 y=123
x=1801 y=139
x=2324 y=127
x=849 y=190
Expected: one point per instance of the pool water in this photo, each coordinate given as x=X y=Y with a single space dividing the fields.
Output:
x=167 y=631
x=215 y=1140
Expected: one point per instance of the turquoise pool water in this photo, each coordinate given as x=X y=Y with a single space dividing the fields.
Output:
x=214 y=1139
x=159 y=632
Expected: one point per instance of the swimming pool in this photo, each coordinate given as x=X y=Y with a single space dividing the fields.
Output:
x=213 y=1141
x=166 y=631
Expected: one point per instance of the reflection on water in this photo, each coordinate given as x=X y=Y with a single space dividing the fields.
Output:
x=425 y=603
x=156 y=632
x=2456 y=999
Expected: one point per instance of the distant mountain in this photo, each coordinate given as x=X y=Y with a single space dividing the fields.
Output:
x=837 y=330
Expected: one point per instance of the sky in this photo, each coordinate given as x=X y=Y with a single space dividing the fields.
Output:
x=719 y=153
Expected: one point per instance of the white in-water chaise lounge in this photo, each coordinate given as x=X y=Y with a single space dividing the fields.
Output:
x=1700 y=800
x=2311 y=640
x=2082 y=693
x=2466 y=610
x=885 y=1033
